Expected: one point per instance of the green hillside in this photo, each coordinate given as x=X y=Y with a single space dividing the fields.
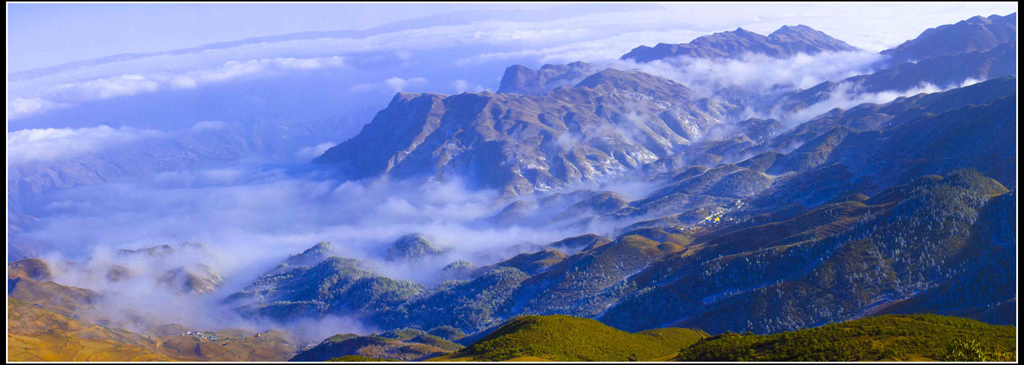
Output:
x=884 y=338
x=566 y=338
x=398 y=345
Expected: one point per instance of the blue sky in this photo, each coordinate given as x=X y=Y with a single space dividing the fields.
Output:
x=43 y=35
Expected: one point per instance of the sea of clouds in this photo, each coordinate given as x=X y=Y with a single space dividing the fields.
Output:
x=254 y=212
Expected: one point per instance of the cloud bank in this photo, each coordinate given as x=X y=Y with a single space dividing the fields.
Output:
x=393 y=84
x=35 y=145
x=72 y=93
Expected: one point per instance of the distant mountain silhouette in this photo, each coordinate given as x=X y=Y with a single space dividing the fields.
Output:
x=977 y=34
x=784 y=42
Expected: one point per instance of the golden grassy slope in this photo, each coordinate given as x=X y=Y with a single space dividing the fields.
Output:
x=36 y=334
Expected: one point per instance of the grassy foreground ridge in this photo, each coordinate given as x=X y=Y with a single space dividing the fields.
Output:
x=567 y=338
x=926 y=337
x=920 y=337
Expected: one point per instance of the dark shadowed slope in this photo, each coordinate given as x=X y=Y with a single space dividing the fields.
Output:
x=971 y=35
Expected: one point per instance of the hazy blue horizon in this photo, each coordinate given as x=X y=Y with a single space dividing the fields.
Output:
x=47 y=35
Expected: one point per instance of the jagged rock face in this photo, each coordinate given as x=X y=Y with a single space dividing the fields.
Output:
x=609 y=123
x=520 y=79
x=783 y=43
x=971 y=35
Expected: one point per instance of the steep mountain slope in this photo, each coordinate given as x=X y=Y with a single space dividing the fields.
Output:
x=853 y=142
x=841 y=152
x=982 y=291
x=944 y=71
x=976 y=49
x=971 y=35
x=767 y=272
x=897 y=112
x=609 y=123
x=714 y=238
x=972 y=136
x=782 y=43
x=467 y=305
x=921 y=238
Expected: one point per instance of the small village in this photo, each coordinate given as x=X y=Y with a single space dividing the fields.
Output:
x=203 y=335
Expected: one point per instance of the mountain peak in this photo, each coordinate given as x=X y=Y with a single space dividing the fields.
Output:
x=783 y=43
x=312 y=255
x=412 y=247
x=512 y=142
x=519 y=79
x=635 y=81
x=793 y=29
x=978 y=19
x=975 y=34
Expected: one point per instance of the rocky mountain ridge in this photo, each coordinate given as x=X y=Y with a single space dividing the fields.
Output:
x=785 y=42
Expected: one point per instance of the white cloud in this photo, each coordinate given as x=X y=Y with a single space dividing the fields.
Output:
x=208 y=125
x=67 y=94
x=758 y=73
x=49 y=144
x=393 y=84
x=592 y=37
x=216 y=207
x=399 y=84
x=599 y=50
x=846 y=96
x=20 y=107
x=104 y=88
x=291 y=213
x=310 y=152
x=462 y=86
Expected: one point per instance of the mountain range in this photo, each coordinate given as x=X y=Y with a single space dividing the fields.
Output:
x=851 y=235
x=826 y=185
x=782 y=43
